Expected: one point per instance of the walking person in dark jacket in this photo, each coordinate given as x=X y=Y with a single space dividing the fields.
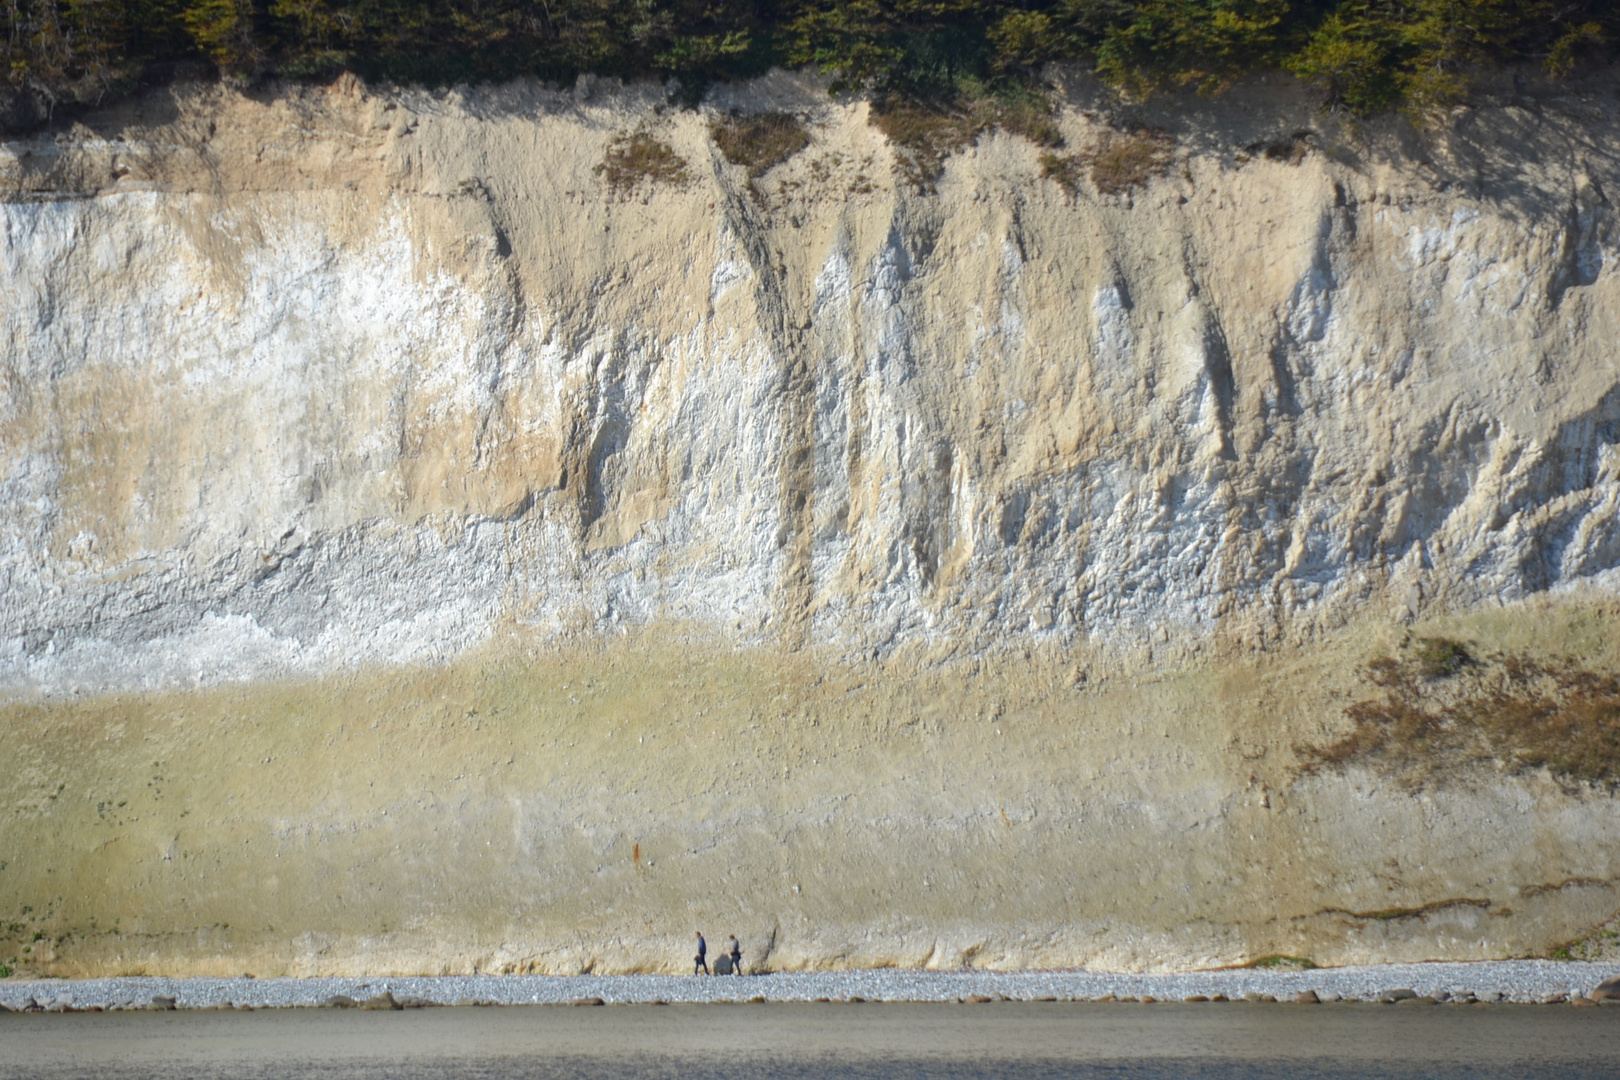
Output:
x=702 y=958
x=736 y=956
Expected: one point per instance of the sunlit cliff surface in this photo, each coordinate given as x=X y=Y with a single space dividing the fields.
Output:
x=417 y=555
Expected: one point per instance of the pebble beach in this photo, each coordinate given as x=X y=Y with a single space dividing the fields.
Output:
x=1504 y=982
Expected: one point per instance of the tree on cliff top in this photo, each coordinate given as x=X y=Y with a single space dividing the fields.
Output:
x=1366 y=55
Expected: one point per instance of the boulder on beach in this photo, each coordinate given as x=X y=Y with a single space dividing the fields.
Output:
x=1607 y=990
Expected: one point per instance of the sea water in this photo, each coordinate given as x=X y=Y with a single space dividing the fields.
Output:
x=1026 y=1040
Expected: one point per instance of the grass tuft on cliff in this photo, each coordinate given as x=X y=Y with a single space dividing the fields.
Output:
x=1127 y=159
x=927 y=128
x=1122 y=160
x=1438 y=709
x=759 y=142
x=637 y=158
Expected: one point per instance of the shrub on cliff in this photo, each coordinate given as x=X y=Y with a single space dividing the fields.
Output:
x=1437 y=710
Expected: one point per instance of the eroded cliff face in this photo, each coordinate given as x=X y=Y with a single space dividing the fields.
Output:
x=337 y=419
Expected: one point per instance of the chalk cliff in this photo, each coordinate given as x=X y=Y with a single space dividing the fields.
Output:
x=417 y=555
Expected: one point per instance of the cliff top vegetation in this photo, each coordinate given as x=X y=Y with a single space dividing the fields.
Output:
x=1366 y=56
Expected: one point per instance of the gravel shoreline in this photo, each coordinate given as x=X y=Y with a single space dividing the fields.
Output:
x=1516 y=981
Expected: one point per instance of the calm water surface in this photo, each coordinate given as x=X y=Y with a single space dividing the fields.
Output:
x=1030 y=1041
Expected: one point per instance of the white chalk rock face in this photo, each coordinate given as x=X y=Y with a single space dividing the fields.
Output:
x=418 y=554
x=347 y=378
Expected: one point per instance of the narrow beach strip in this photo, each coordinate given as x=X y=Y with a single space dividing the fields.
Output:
x=1508 y=981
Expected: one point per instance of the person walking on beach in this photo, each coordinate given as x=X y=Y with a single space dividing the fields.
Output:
x=702 y=958
x=736 y=956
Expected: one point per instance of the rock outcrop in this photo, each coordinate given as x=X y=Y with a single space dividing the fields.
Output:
x=975 y=558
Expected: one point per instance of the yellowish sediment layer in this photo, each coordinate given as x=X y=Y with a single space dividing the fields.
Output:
x=565 y=811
